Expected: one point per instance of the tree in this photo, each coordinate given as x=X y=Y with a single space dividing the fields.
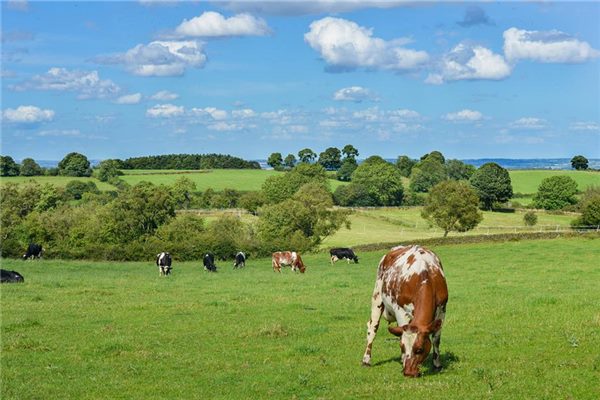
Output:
x=251 y=201
x=74 y=164
x=349 y=165
x=353 y=195
x=30 y=168
x=182 y=190
x=492 y=184
x=453 y=206
x=8 y=166
x=275 y=161
x=276 y=189
x=75 y=189
x=108 y=169
x=381 y=179
x=405 y=164
x=579 y=163
x=331 y=158
x=458 y=170
x=350 y=151
x=434 y=155
x=590 y=208
x=426 y=174
x=555 y=192
x=290 y=161
x=306 y=155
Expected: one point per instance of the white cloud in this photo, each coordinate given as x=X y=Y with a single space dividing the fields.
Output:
x=585 y=126
x=165 y=111
x=164 y=95
x=297 y=7
x=27 y=115
x=61 y=132
x=86 y=83
x=356 y=94
x=405 y=114
x=213 y=24
x=345 y=45
x=214 y=112
x=465 y=115
x=546 y=46
x=244 y=113
x=134 y=98
x=159 y=58
x=225 y=126
x=529 y=123
x=466 y=62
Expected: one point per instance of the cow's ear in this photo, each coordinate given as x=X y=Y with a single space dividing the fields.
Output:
x=434 y=326
x=397 y=330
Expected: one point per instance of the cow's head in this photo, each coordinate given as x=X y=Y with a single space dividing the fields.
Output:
x=415 y=344
x=301 y=266
x=355 y=260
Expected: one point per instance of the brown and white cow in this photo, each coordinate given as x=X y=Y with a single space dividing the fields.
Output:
x=285 y=258
x=411 y=290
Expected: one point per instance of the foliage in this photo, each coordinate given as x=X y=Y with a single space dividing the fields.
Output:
x=590 y=210
x=353 y=195
x=306 y=155
x=8 y=166
x=492 y=184
x=453 y=206
x=279 y=188
x=251 y=201
x=108 y=169
x=275 y=161
x=405 y=164
x=350 y=151
x=381 y=179
x=30 y=168
x=75 y=189
x=555 y=193
x=74 y=164
x=530 y=218
x=579 y=163
x=426 y=174
x=434 y=155
x=458 y=170
x=331 y=158
x=226 y=198
x=345 y=172
x=290 y=161
x=182 y=191
x=189 y=161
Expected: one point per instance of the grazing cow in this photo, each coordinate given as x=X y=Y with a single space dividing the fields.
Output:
x=343 y=253
x=411 y=290
x=34 y=250
x=240 y=260
x=209 y=262
x=290 y=258
x=10 y=276
x=163 y=261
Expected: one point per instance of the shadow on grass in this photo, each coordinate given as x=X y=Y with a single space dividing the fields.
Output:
x=447 y=358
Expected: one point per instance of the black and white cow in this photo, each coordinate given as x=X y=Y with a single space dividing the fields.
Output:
x=209 y=262
x=343 y=253
x=10 y=277
x=240 y=260
x=34 y=250
x=163 y=261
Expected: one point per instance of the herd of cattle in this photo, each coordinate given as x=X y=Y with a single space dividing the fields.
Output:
x=410 y=290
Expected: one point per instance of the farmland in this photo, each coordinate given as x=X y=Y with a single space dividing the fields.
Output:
x=87 y=330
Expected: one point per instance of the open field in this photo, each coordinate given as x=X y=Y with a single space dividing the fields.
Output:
x=59 y=181
x=527 y=181
x=523 y=322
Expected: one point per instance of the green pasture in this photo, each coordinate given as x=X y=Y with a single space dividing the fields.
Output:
x=59 y=181
x=523 y=322
x=527 y=181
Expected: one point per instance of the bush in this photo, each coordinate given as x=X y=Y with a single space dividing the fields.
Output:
x=555 y=193
x=530 y=218
x=353 y=195
x=74 y=190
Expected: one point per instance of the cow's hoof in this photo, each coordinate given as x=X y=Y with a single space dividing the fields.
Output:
x=437 y=369
x=365 y=364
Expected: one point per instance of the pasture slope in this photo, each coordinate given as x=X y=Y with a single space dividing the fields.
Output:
x=523 y=322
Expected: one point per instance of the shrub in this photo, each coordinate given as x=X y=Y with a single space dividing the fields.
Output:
x=555 y=193
x=353 y=195
x=74 y=190
x=530 y=218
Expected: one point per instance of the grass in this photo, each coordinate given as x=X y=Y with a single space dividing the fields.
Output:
x=59 y=181
x=527 y=181
x=523 y=322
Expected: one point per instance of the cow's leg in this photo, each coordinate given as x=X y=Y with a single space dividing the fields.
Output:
x=276 y=266
x=373 y=324
x=437 y=364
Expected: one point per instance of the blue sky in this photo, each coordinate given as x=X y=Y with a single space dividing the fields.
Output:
x=473 y=80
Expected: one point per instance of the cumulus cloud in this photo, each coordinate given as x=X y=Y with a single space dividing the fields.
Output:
x=466 y=62
x=159 y=58
x=164 y=95
x=465 y=115
x=27 y=115
x=585 y=126
x=213 y=112
x=86 y=83
x=345 y=45
x=475 y=15
x=297 y=7
x=244 y=113
x=212 y=24
x=529 y=123
x=134 y=98
x=355 y=94
x=165 y=111
x=546 y=46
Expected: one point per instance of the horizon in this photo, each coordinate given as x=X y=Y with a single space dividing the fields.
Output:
x=472 y=80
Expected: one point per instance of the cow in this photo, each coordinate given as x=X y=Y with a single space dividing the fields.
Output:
x=163 y=261
x=342 y=253
x=34 y=250
x=10 y=276
x=209 y=262
x=290 y=258
x=240 y=260
x=411 y=290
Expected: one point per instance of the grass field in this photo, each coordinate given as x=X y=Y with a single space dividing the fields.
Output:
x=523 y=322
x=59 y=181
x=527 y=181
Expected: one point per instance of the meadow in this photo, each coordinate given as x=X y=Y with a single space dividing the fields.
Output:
x=523 y=322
